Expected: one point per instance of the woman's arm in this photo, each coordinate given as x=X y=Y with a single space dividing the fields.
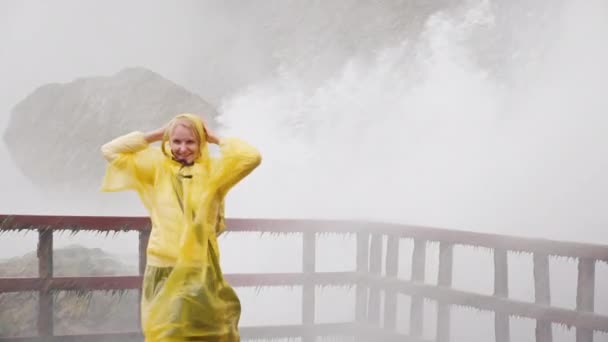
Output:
x=131 y=163
x=130 y=143
x=238 y=159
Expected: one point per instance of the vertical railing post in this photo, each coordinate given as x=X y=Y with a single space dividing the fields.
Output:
x=144 y=236
x=542 y=294
x=501 y=289
x=585 y=295
x=417 y=302
x=45 y=273
x=375 y=268
x=444 y=279
x=390 y=298
x=362 y=270
x=308 y=289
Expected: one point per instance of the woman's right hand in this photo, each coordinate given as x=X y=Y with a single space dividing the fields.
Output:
x=155 y=135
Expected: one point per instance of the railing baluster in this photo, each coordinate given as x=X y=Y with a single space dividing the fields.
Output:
x=585 y=295
x=417 y=308
x=362 y=268
x=444 y=279
x=542 y=294
x=308 y=290
x=501 y=289
x=375 y=268
x=45 y=272
x=144 y=236
x=390 y=298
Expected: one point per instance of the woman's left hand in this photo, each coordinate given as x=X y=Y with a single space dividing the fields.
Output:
x=211 y=137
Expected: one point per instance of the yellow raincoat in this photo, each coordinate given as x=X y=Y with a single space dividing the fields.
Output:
x=185 y=297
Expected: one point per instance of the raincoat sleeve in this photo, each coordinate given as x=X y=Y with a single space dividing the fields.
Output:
x=237 y=160
x=131 y=163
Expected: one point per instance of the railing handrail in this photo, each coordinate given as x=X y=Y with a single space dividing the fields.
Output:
x=132 y=282
x=455 y=237
x=452 y=296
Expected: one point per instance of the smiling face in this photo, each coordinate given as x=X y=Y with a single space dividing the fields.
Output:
x=184 y=142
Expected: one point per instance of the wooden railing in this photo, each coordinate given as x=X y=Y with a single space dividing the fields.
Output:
x=375 y=241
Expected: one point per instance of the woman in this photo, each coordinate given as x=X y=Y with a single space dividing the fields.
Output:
x=185 y=297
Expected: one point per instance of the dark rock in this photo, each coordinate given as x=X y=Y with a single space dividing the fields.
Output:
x=54 y=134
x=74 y=313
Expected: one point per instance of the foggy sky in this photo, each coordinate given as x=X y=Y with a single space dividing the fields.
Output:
x=412 y=129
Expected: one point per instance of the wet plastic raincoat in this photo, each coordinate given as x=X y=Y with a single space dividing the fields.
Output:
x=185 y=297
